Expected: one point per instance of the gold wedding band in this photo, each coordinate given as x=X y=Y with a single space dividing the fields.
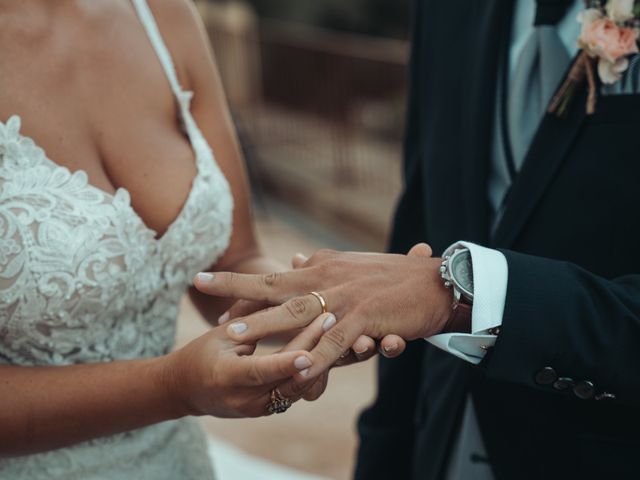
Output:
x=323 y=302
x=278 y=403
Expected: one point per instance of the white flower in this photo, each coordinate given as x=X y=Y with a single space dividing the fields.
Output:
x=620 y=10
x=611 y=72
x=589 y=15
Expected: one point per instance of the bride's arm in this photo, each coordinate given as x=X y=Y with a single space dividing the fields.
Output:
x=44 y=408
x=189 y=44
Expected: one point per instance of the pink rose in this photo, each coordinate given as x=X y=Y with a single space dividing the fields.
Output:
x=601 y=37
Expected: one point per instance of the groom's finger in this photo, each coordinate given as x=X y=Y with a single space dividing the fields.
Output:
x=392 y=346
x=291 y=315
x=316 y=390
x=274 y=288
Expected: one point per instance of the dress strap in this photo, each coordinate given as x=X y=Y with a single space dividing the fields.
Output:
x=150 y=25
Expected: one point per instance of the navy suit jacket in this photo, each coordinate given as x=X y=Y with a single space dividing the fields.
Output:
x=571 y=236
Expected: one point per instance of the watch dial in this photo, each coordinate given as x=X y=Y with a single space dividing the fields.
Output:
x=462 y=271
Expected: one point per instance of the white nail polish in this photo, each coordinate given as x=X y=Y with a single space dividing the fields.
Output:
x=360 y=352
x=391 y=348
x=305 y=372
x=239 y=328
x=205 y=277
x=302 y=363
x=224 y=318
x=329 y=322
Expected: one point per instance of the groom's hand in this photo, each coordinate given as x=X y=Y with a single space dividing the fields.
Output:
x=370 y=294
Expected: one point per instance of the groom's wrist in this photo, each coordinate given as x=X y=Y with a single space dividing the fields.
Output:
x=438 y=300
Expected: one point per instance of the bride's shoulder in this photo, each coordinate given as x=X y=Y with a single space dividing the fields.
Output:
x=183 y=31
x=178 y=21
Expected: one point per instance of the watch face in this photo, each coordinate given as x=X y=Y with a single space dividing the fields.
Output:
x=462 y=272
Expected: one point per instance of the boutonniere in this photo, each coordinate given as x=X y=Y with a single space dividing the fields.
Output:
x=610 y=33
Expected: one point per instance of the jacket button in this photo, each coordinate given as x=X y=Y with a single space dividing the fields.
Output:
x=546 y=376
x=563 y=383
x=584 y=390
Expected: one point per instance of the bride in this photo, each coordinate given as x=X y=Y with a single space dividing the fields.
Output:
x=110 y=201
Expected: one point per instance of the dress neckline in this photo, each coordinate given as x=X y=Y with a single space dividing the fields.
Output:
x=121 y=193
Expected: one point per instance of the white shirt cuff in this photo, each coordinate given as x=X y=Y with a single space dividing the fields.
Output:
x=490 y=277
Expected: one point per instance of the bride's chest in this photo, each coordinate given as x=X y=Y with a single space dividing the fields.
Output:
x=68 y=239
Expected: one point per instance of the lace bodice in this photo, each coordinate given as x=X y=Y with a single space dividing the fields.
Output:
x=83 y=279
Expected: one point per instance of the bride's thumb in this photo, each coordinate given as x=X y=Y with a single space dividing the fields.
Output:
x=420 y=250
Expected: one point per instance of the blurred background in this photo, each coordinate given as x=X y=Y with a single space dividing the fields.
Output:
x=317 y=90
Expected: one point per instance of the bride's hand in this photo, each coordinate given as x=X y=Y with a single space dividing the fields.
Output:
x=214 y=375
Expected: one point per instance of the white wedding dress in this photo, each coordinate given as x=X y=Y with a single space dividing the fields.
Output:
x=84 y=280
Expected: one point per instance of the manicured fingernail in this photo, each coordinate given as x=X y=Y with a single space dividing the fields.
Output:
x=329 y=322
x=391 y=348
x=224 y=318
x=302 y=363
x=304 y=373
x=239 y=328
x=360 y=352
x=205 y=277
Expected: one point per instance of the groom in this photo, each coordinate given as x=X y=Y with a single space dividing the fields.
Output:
x=532 y=365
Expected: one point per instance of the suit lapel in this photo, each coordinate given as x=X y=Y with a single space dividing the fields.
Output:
x=546 y=153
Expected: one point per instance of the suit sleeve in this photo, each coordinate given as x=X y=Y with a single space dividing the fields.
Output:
x=563 y=321
x=387 y=427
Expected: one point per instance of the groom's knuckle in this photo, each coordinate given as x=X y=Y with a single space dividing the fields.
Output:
x=298 y=308
x=336 y=337
x=271 y=280
x=229 y=280
x=335 y=340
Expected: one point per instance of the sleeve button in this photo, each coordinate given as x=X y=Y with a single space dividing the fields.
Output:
x=584 y=390
x=546 y=376
x=563 y=383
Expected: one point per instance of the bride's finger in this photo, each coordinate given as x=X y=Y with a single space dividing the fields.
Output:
x=242 y=308
x=294 y=314
x=420 y=250
x=255 y=370
x=309 y=337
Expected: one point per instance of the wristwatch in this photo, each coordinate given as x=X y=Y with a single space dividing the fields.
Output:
x=456 y=272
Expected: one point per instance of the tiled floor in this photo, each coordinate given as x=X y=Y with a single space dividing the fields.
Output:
x=317 y=437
